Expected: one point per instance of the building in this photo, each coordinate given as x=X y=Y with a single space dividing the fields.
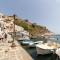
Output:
x=7 y=25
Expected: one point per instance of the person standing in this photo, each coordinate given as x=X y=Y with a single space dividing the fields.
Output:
x=5 y=36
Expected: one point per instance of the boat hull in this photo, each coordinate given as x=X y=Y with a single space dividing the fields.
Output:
x=43 y=51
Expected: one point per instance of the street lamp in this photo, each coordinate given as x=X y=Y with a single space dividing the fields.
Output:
x=14 y=34
x=14 y=27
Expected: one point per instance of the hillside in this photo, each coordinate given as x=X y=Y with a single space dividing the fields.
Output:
x=33 y=28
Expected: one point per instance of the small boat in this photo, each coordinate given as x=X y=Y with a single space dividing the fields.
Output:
x=27 y=42
x=47 y=48
x=58 y=52
x=33 y=44
x=37 y=42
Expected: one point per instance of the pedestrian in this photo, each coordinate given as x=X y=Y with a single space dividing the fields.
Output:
x=5 y=36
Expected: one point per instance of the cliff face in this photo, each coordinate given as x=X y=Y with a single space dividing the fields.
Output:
x=32 y=28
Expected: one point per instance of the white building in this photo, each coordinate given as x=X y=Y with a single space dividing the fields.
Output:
x=7 y=25
x=19 y=28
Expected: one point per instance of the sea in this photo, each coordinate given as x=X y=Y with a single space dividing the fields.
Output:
x=33 y=53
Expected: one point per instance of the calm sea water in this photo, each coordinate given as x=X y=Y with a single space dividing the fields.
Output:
x=57 y=38
x=32 y=51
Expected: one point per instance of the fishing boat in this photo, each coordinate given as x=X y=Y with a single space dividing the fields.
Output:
x=44 y=49
x=26 y=42
x=47 y=48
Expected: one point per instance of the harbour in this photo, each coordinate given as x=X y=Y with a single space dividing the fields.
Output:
x=29 y=30
x=33 y=53
x=17 y=43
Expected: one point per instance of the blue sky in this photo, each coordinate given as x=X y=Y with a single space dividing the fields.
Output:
x=43 y=12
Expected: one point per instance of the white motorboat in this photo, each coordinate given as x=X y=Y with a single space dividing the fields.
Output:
x=27 y=42
x=58 y=52
x=37 y=42
x=47 y=48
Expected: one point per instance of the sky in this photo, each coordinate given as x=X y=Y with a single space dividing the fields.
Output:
x=43 y=12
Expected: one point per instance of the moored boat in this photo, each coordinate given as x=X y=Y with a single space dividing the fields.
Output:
x=46 y=48
x=43 y=49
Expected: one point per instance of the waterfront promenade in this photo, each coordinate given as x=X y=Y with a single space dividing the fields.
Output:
x=13 y=53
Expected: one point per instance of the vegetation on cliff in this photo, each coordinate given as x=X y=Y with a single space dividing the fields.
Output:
x=33 y=28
